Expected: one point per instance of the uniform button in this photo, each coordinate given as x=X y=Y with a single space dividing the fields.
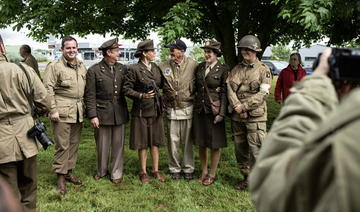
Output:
x=202 y=100
x=115 y=91
x=115 y=86
x=115 y=80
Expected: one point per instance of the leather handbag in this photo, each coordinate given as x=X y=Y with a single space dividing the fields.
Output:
x=215 y=105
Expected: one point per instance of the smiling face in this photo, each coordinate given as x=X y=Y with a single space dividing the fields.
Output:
x=113 y=54
x=248 y=55
x=70 y=50
x=149 y=55
x=210 y=56
x=177 y=55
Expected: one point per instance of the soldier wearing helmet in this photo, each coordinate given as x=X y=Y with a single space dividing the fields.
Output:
x=248 y=87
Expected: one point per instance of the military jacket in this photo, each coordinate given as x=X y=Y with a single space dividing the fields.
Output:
x=140 y=80
x=179 y=82
x=248 y=85
x=66 y=84
x=310 y=158
x=216 y=78
x=31 y=61
x=15 y=110
x=104 y=97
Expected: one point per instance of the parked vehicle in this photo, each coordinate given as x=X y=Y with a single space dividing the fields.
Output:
x=275 y=66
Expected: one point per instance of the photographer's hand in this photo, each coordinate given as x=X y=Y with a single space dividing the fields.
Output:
x=55 y=116
x=149 y=95
x=95 y=122
x=323 y=68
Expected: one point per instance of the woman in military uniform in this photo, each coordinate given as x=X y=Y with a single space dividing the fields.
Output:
x=143 y=81
x=209 y=110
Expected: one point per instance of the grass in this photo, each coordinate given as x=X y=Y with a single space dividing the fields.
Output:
x=131 y=195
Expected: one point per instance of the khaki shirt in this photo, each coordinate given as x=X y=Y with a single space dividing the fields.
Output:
x=310 y=158
x=249 y=85
x=15 y=112
x=66 y=84
x=31 y=61
x=179 y=82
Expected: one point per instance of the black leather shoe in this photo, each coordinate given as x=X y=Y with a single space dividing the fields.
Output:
x=175 y=176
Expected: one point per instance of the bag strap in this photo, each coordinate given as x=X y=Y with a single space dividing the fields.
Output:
x=207 y=91
x=29 y=96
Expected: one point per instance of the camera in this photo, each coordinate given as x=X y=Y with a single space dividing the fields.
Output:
x=38 y=131
x=344 y=63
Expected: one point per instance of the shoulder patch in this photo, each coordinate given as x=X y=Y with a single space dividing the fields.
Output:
x=167 y=71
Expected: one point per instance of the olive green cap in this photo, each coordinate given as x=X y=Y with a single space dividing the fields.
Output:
x=110 y=44
x=214 y=45
x=145 y=45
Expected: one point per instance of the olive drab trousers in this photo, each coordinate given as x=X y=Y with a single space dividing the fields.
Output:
x=22 y=178
x=248 y=137
x=67 y=140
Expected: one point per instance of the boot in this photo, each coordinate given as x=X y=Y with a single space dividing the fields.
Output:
x=61 y=184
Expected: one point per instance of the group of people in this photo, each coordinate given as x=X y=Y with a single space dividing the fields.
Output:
x=194 y=97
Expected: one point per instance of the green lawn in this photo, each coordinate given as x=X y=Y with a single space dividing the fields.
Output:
x=131 y=194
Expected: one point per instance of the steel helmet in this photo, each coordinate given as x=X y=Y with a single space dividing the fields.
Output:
x=250 y=42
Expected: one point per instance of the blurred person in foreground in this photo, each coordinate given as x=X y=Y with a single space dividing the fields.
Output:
x=310 y=158
x=287 y=77
x=18 y=165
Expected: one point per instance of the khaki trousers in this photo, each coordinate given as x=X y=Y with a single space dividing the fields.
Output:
x=22 y=178
x=179 y=138
x=67 y=140
x=248 y=137
x=110 y=138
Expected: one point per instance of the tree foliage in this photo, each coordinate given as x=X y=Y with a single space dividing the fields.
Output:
x=274 y=22
x=280 y=52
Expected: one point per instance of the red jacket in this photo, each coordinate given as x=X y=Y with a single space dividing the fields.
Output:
x=286 y=80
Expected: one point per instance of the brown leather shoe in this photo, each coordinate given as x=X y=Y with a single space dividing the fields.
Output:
x=242 y=185
x=116 y=181
x=61 y=184
x=144 y=177
x=158 y=176
x=72 y=179
x=202 y=178
x=208 y=180
x=97 y=177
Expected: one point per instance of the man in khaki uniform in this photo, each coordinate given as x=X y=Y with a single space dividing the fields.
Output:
x=248 y=86
x=310 y=159
x=65 y=81
x=29 y=59
x=17 y=150
x=106 y=108
x=179 y=73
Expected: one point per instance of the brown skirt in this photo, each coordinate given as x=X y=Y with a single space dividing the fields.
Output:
x=206 y=133
x=146 y=132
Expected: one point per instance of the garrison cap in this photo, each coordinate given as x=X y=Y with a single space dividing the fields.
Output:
x=177 y=44
x=214 y=46
x=145 y=45
x=110 y=44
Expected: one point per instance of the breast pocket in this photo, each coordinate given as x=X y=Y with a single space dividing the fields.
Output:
x=65 y=80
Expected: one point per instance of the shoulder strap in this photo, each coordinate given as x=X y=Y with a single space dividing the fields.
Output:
x=207 y=91
x=29 y=96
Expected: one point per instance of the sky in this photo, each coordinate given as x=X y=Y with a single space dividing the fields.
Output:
x=12 y=37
